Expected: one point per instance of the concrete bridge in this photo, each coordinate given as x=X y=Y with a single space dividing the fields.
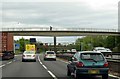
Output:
x=46 y=31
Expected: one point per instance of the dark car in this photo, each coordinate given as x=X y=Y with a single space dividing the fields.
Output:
x=88 y=63
x=7 y=55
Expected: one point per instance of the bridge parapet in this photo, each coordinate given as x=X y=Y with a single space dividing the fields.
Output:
x=59 y=29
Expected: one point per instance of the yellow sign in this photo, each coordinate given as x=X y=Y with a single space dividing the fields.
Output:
x=30 y=47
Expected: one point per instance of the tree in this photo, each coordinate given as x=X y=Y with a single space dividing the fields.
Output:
x=22 y=43
x=110 y=42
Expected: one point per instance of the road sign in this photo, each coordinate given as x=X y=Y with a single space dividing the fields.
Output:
x=17 y=46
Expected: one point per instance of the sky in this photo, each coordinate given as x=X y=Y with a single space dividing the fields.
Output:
x=59 y=13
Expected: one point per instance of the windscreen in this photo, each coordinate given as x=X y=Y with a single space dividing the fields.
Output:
x=50 y=53
x=100 y=49
x=94 y=56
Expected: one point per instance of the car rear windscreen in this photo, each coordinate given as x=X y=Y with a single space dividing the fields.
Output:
x=50 y=53
x=94 y=56
x=29 y=52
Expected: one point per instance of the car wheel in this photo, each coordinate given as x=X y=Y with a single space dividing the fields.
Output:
x=68 y=72
x=55 y=59
x=76 y=76
x=34 y=60
x=105 y=76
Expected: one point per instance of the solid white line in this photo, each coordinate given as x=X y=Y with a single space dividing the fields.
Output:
x=47 y=69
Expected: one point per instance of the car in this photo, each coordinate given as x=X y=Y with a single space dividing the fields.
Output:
x=7 y=56
x=50 y=55
x=73 y=50
x=88 y=63
x=103 y=50
x=29 y=55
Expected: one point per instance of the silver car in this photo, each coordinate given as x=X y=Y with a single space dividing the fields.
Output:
x=29 y=55
x=103 y=50
x=50 y=55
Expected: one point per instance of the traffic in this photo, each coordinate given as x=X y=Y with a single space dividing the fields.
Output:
x=69 y=64
x=60 y=39
x=49 y=69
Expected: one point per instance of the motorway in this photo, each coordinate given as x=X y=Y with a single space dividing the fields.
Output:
x=13 y=69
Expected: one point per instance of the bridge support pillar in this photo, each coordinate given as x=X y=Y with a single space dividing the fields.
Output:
x=55 y=44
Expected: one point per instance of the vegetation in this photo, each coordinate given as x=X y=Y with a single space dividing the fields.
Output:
x=22 y=43
x=85 y=43
x=89 y=42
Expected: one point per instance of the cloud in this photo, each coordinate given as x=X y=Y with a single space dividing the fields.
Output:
x=88 y=14
x=60 y=14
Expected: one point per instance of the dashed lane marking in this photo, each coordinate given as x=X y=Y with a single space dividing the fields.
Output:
x=6 y=64
x=9 y=62
x=47 y=69
x=52 y=74
x=2 y=65
x=44 y=66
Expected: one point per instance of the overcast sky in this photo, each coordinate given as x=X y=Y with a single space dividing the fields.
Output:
x=60 y=13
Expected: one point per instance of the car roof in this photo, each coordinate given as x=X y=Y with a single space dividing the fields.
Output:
x=88 y=52
x=99 y=47
x=29 y=51
x=49 y=51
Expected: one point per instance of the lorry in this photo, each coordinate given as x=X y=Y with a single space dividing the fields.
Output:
x=6 y=45
x=30 y=47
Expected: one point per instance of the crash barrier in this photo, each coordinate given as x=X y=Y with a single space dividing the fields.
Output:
x=114 y=56
x=114 y=66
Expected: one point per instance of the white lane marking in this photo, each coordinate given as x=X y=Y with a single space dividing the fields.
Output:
x=44 y=66
x=114 y=76
x=108 y=74
x=47 y=69
x=39 y=60
x=52 y=74
x=9 y=62
x=2 y=65
x=6 y=64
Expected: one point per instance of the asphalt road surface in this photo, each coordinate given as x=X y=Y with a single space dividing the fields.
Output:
x=16 y=69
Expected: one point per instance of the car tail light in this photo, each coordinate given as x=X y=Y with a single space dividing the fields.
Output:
x=33 y=55
x=80 y=64
x=106 y=64
x=23 y=55
x=45 y=55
